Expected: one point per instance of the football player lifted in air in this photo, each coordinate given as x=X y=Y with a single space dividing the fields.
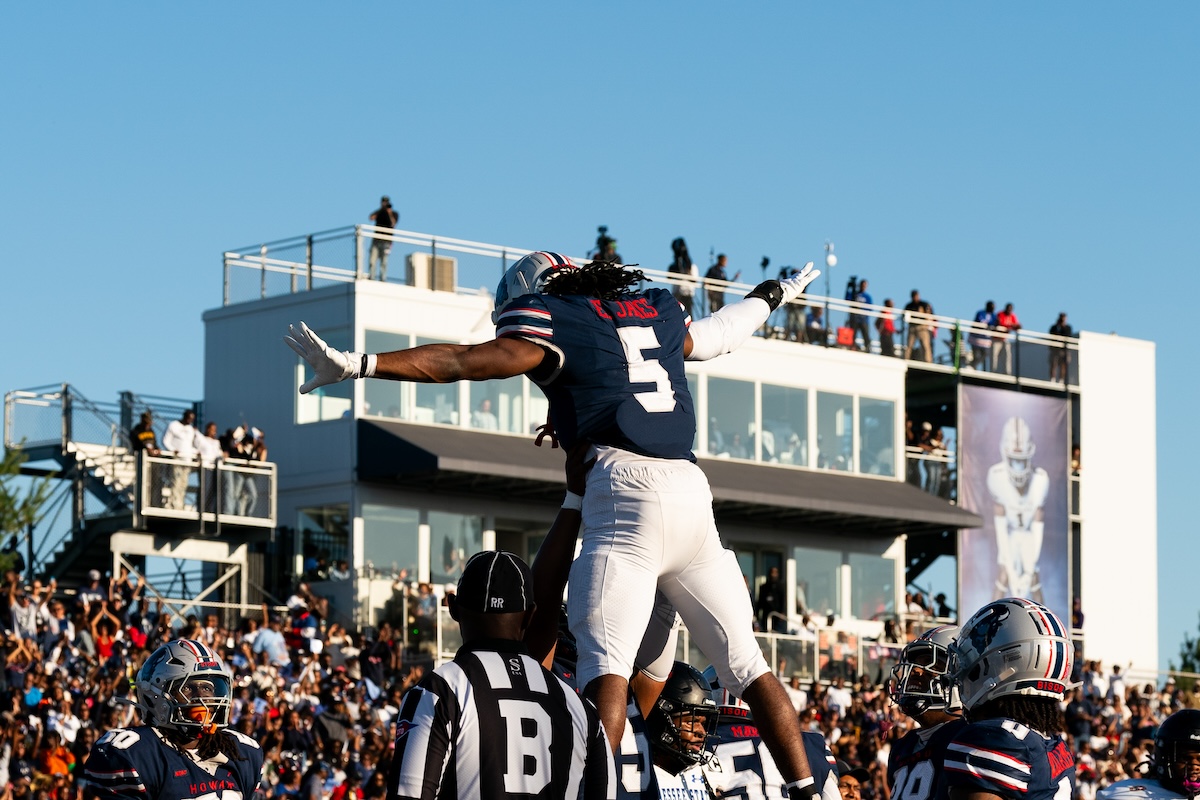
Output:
x=1018 y=492
x=185 y=751
x=610 y=360
x=1174 y=765
x=919 y=687
x=1011 y=663
x=743 y=766
x=680 y=728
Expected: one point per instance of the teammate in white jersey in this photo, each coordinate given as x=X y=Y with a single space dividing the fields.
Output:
x=1018 y=492
x=680 y=728
x=1175 y=764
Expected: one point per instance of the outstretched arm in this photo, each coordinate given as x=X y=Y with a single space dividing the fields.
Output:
x=431 y=363
x=553 y=560
x=726 y=330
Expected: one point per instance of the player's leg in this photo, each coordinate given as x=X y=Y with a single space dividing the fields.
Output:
x=656 y=656
x=718 y=619
x=613 y=585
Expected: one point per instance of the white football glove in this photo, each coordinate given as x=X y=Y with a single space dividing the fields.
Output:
x=793 y=287
x=329 y=365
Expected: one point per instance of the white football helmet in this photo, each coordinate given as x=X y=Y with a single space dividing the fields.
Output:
x=1011 y=647
x=1017 y=448
x=527 y=276
x=919 y=681
x=185 y=686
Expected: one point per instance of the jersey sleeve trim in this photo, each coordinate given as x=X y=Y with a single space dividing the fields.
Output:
x=990 y=766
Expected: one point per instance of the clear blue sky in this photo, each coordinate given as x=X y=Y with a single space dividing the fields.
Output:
x=1043 y=154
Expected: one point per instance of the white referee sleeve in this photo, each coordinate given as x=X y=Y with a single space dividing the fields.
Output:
x=422 y=747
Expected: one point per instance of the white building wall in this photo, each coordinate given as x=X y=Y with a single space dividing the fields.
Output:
x=1118 y=500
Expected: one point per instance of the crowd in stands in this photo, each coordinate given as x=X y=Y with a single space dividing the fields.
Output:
x=321 y=699
x=910 y=332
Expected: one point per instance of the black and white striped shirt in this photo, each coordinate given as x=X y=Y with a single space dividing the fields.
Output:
x=494 y=725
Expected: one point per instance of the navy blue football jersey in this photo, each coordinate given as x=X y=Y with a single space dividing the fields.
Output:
x=915 y=764
x=1005 y=758
x=636 y=779
x=619 y=380
x=743 y=766
x=138 y=762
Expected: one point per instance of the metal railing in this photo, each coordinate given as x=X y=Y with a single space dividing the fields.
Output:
x=934 y=472
x=352 y=253
x=230 y=492
x=59 y=414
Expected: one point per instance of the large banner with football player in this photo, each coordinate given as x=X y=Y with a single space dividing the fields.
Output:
x=1013 y=473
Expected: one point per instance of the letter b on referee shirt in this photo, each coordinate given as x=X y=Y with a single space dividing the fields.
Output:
x=528 y=734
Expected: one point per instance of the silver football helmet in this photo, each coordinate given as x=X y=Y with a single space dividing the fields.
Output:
x=185 y=686
x=527 y=276
x=1017 y=449
x=1011 y=647
x=919 y=681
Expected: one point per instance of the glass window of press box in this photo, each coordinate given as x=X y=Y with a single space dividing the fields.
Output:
x=498 y=405
x=852 y=434
x=391 y=540
x=750 y=420
x=820 y=577
x=324 y=535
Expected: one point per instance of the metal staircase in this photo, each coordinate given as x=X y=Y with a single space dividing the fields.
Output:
x=83 y=444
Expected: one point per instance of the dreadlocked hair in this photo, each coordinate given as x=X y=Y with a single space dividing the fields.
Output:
x=222 y=742
x=602 y=279
x=1042 y=714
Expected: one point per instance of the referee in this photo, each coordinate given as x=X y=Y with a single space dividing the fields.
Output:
x=493 y=724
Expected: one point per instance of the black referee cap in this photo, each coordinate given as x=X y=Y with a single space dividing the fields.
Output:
x=496 y=582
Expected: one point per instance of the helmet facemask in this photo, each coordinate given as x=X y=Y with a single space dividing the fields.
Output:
x=201 y=703
x=688 y=732
x=1183 y=768
x=920 y=687
x=1176 y=759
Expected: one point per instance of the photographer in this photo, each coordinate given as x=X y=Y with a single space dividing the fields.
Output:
x=606 y=248
x=716 y=293
x=682 y=265
x=383 y=217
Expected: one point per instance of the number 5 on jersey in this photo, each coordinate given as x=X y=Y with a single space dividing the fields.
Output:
x=636 y=341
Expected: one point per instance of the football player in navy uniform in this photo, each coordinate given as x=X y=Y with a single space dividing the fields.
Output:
x=743 y=767
x=681 y=727
x=919 y=687
x=1011 y=663
x=1174 y=763
x=186 y=751
x=610 y=360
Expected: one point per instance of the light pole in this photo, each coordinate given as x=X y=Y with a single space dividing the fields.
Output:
x=830 y=263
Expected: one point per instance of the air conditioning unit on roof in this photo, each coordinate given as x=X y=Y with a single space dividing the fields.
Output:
x=425 y=272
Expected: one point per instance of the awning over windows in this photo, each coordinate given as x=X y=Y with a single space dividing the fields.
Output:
x=466 y=462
